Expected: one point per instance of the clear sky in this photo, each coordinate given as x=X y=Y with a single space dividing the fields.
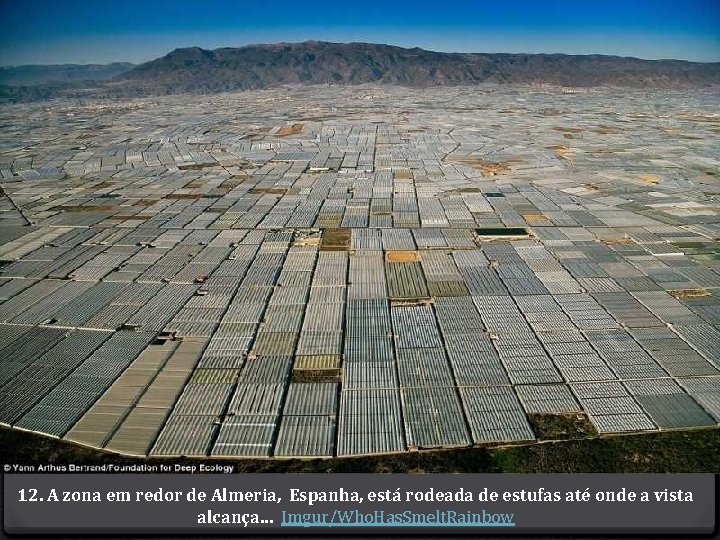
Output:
x=101 y=31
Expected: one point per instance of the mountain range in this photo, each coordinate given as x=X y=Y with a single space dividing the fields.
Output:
x=196 y=70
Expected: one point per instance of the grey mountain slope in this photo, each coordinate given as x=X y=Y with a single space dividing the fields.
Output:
x=196 y=70
x=262 y=66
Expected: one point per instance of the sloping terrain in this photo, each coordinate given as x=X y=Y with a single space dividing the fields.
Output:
x=312 y=62
x=198 y=71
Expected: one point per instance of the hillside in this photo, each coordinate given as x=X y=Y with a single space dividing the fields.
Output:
x=196 y=70
x=262 y=66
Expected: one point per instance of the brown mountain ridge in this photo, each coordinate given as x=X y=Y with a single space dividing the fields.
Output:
x=313 y=62
x=196 y=70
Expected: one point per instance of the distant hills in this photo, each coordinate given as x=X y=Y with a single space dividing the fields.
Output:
x=196 y=70
x=313 y=62
x=65 y=73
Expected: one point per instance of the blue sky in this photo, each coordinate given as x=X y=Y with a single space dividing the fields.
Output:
x=100 y=31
